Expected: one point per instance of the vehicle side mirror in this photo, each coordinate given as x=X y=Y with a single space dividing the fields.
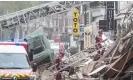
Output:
x=34 y=67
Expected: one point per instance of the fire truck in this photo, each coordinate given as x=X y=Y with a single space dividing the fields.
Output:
x=24 y=44
x=15 y=64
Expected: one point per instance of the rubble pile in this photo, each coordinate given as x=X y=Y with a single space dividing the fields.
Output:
x=114 y=64
x=117 y=61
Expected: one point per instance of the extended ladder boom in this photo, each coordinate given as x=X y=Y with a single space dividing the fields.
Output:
x=51 y=8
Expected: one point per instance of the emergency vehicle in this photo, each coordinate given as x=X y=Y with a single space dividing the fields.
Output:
x=24 y=44
x=14 y=64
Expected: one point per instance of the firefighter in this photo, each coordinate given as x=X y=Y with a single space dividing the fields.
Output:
x=58 y=61
x=61 y=50
x=98 y=44
x=25 y=40
x=31 y=53
x=98 y=40
x=61 y=53
x=58 y=75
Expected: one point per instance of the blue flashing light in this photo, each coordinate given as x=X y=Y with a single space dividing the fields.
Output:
x=17 y=44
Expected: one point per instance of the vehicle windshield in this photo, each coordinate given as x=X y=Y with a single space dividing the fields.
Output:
x=14 y=61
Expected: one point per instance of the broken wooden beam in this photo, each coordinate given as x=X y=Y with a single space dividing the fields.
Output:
x=117 y=65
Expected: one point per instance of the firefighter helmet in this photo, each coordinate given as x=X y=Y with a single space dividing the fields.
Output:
x=100 y=31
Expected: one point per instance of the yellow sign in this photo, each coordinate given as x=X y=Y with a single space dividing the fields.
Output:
x=75 y=22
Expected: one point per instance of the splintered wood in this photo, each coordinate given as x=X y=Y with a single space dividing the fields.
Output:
x=115 y=61
x=118 y=58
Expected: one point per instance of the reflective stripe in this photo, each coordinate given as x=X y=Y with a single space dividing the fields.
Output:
x=19 y=75
x=6 y=75
x=16 y=75
x=10 y=75
x=1 y=74
x=22 y=75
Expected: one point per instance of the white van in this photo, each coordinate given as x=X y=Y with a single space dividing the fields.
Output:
x=14 y=63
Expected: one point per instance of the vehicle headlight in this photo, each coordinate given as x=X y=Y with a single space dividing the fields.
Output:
x=33 y=77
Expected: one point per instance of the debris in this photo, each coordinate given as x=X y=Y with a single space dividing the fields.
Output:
x=79 y=76
x=97 y=70
x=116 y=62
x=86 y=67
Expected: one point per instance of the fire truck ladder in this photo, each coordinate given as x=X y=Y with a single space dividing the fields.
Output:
x=23 y=18
x=80 y=56
x=47 y=9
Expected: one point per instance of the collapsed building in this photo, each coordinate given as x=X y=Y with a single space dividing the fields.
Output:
x=114 y=64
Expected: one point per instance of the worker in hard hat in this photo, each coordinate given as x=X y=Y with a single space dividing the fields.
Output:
x=98 y=44
x=58 y=75
x=58 y=61
x=31 y=53
x=98 y=40
x=62 y=50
